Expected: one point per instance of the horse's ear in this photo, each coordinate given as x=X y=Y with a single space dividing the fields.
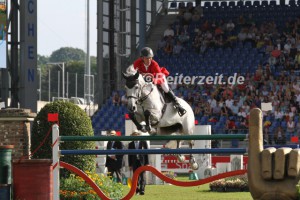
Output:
x=124 y=75
x=136 y=75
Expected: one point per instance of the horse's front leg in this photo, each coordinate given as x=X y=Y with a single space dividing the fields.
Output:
x=134 y=120
x=147 y=114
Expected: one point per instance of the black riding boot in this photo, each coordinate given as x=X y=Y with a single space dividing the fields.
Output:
x=181 y=111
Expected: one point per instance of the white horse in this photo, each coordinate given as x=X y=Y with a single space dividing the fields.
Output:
x=146 y=103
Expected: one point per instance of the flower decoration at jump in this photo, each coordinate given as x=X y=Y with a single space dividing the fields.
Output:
x=75 y=188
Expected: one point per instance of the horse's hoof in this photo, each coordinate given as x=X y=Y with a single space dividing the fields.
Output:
x=181 y=158
x=153 y=132
x=148 y=128
x=144 y=129
x=194 y=166
x=139 y=127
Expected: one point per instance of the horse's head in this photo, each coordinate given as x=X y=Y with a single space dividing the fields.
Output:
x=133 y=86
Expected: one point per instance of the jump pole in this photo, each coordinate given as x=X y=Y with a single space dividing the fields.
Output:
x=155 y=137
x=55 y=161
x=154 y=151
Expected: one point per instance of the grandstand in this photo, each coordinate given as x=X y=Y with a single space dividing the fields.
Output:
x=259 y=40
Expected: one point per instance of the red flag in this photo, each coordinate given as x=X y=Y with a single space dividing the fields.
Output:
x=196 y=122
x=52 y=117
x=295 y=139
x=126 y=116
x=118 y=133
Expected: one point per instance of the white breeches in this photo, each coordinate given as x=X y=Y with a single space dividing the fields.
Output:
x=165 y=85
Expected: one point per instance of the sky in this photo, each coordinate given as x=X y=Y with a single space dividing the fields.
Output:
x=62 y=23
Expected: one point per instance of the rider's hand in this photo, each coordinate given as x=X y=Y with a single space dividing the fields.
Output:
x=273 y=174
x=158 y=80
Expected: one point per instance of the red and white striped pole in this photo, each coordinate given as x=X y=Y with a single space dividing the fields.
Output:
x=55 y=160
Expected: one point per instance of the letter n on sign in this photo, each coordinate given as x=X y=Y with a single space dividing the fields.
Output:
x=52 y=117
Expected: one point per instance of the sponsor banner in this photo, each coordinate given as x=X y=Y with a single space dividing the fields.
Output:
x=171 y=162
x=28 y=52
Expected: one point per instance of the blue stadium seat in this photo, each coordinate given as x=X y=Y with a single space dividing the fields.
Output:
x=248 y=4
x=207 y=4
x=173 y=5
x=204 y=120
x=231 y=4
x=234 y=143
x=264 y=3
x=223 y=4
x=189 y=4
x=223 y=119
x=256 y=3
x=215 y=4
x=296 y=119
x=283 y=124
x=272 y=3
x=292 y=3
x=240 y=3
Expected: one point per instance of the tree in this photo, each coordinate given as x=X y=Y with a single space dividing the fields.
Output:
x=42 y=60
x=74 y=72
x=73 y=121
x=67 y=54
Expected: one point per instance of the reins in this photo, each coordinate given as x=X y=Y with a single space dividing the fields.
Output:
x=142 y=99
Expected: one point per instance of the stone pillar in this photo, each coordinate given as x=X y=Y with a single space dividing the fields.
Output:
x=15 y=129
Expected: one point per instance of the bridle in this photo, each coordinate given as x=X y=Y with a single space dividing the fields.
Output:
x=140 y=99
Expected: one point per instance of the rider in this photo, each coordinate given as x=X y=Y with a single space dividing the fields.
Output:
x=145 y=65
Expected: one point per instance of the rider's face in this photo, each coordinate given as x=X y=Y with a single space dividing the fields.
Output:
x=147 y=61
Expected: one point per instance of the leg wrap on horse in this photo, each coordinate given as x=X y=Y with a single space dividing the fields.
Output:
x=181 y=111
x=134 y=120
x=147 y=114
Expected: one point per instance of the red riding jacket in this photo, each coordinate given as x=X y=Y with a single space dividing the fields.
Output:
x=153 y=69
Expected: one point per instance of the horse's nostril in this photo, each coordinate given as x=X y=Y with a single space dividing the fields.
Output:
x=131 y=108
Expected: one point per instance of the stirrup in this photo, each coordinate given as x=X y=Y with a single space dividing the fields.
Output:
x=181 y=111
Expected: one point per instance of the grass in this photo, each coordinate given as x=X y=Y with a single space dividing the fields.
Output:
x=170 y=192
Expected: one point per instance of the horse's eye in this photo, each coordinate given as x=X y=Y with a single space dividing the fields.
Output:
x=136 y=87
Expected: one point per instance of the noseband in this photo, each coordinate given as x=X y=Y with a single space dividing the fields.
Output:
x=140 y=100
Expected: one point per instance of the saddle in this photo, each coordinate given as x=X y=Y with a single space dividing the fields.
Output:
x=164 y=97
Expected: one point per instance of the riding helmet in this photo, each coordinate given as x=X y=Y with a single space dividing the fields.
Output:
x=147 y=52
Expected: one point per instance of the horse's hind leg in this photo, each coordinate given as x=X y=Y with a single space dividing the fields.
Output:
x=173 y=144
x=180 y=158
x=193 y=163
